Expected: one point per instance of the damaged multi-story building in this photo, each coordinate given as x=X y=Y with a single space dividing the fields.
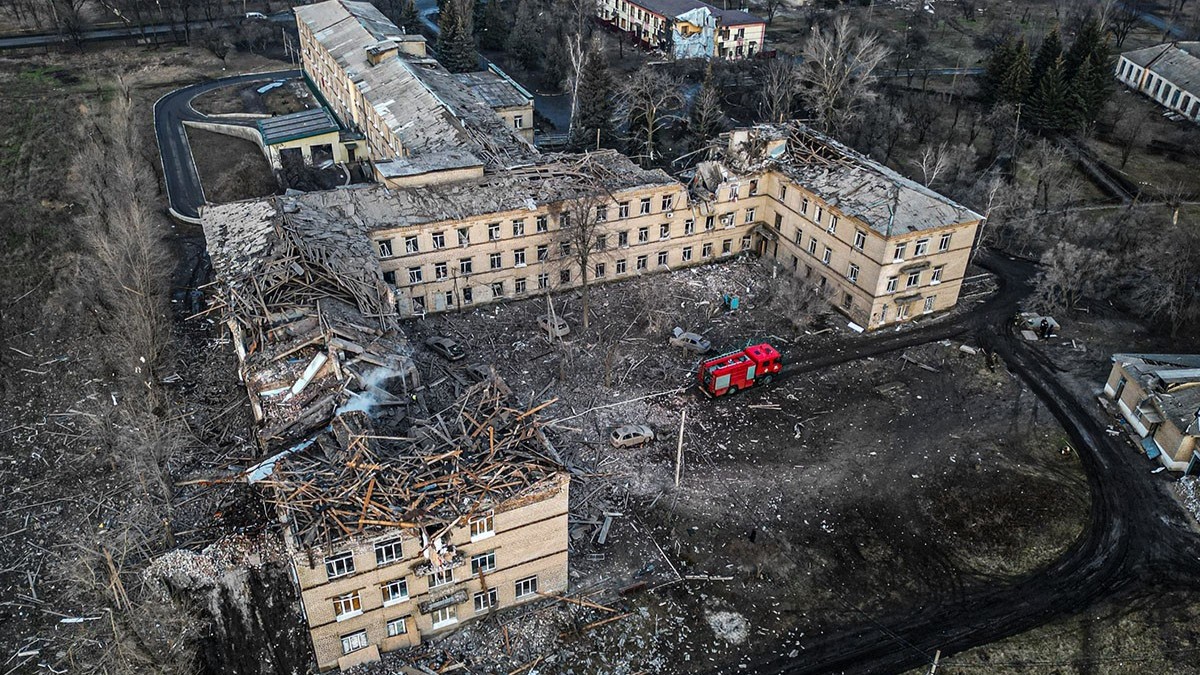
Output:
x=404 y=509
x=687 y=29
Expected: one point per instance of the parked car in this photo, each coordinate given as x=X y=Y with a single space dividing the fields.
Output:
x=631 y=436
x=554 y=326
x=478 y=372
x=445 y=347
x=253 y=16
x=690 y=341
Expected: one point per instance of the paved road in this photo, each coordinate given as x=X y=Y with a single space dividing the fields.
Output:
x=1137 y=539
x=126 y=32
x=184 y=191
x=1176 y=32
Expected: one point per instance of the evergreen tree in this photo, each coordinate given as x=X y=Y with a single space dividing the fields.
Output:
x=998 y=64
x=409 y=19
x=477 y=12
x=1090 y=44
x=556 y=61
x=595 y=104
x=1090 y=90
x=456 y=45
x=1016 y=79
x=494 y=31
x=705 y=119
x=1052 y=104
x=1047 y=54
x=524 y=40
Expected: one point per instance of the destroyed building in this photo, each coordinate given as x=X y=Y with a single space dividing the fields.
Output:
x=1158 y=395
x=400 y=110
x=402 y=516
x=687 y=29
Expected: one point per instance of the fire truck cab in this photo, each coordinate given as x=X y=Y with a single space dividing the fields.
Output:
x=732 y=372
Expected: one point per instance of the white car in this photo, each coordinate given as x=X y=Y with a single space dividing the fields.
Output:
x=554 y=326
x=630 y=436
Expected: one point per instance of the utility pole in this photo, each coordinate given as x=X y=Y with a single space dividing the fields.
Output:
x=679 y=449
x=936 y=657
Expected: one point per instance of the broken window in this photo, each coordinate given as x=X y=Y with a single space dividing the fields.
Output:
x=465 y=266
x=820 y=214
x=519 y=257
x=706 y=251
x=901 y=312
x=847 y=301
x=914 y=279
x=486 y=600
x=898 y=254
x=921 y=248
x=390 y=277
x=727 y=220
x=710 y=222
x=468 y=295
x=689 y=226
x=832 y=224
x=526 y=587
x=623 y=210
x=749 y=215
x=484 y=562
x=441 y=578
x=439 y=240
x=727 y=247
x=483 y=526
x=518 y=121
x=601 y=242
x=795 y=262
x=745 y=242
x=543 y=284
x=410 y=245
x=542 y=224
x=827 y=256
x=494 y=261
x=497 y=289
x=600 y=270
x=733 y=193
x=493 y=231
x=449 y=298
x=623 y=238
x=936 y=278
x=662 y=258
x=860 y=239
x=944 y=242
x=519 y=286
x=852 y=273
x=385 y=248
x=601 y=213
x=753 y=186
x=621 y=266
x=782 y=192
x=564 y=276
x=464 y=236
x=446 y=616
x=668 y=202
x=339 y=565
x=891 y=284
x=644 y=207
x=664 y=231
x=643 y=235
x=440 y=270
x=414 y=275
x=929 y=303
x=518 y=227
x=804 y=206
x=543 y=252
x=388 y=551
x=812 y=244
x=394 y=591
x=354 y=642
x=397 y=627
x=346 y=606
x=686 y=254
x=564 y=220
x=799 y=236
x=641 y=262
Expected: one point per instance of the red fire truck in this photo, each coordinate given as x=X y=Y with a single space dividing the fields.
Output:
x=729 y=373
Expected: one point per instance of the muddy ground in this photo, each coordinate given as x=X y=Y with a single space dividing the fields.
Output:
x=247 y=176
x=817 y=500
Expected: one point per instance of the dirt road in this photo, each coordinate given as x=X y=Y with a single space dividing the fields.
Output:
x=1136 y=540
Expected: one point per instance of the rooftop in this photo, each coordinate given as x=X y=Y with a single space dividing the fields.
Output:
x=1173 y=380
x=1176 y=62
x=674 y=8
x=554 y=178
x=495 y=90
x=418 y=99
x=855 y=184
x=303 y=124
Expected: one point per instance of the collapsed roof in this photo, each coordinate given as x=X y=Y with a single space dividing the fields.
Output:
x=1173 y=381
x=855 y=184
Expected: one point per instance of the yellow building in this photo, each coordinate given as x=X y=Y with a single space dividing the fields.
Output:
x=1158 y=395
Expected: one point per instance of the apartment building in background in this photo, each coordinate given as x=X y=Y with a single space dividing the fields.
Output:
x=1169 y=74
x=687 y=28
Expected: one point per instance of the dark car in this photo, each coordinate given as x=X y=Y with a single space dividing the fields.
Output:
x=445 y=347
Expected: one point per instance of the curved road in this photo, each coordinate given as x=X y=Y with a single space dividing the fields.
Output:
x=1137 y=538
x=184 y=191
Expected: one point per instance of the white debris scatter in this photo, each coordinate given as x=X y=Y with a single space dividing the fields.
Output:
x=1189 y=492
x=729 y=626
x=234 y=551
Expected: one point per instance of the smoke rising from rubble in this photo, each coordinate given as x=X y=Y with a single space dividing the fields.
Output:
x=372 y=394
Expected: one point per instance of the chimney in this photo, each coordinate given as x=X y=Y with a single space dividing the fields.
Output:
x=379 y=51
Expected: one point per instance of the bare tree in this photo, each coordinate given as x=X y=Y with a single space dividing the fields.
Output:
x=771 y=8
x=932 y=162
x=1070 y=275
x=800 y=302
x=1123 y=17
x=68 y=18
x=581 y=237
x=1048 y=163
x=1166 y=283
x=1129 y=132
x=648 y=99
x=780 y=85
x=837 y=68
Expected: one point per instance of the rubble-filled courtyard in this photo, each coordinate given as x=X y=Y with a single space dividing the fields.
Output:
x=819 y=499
